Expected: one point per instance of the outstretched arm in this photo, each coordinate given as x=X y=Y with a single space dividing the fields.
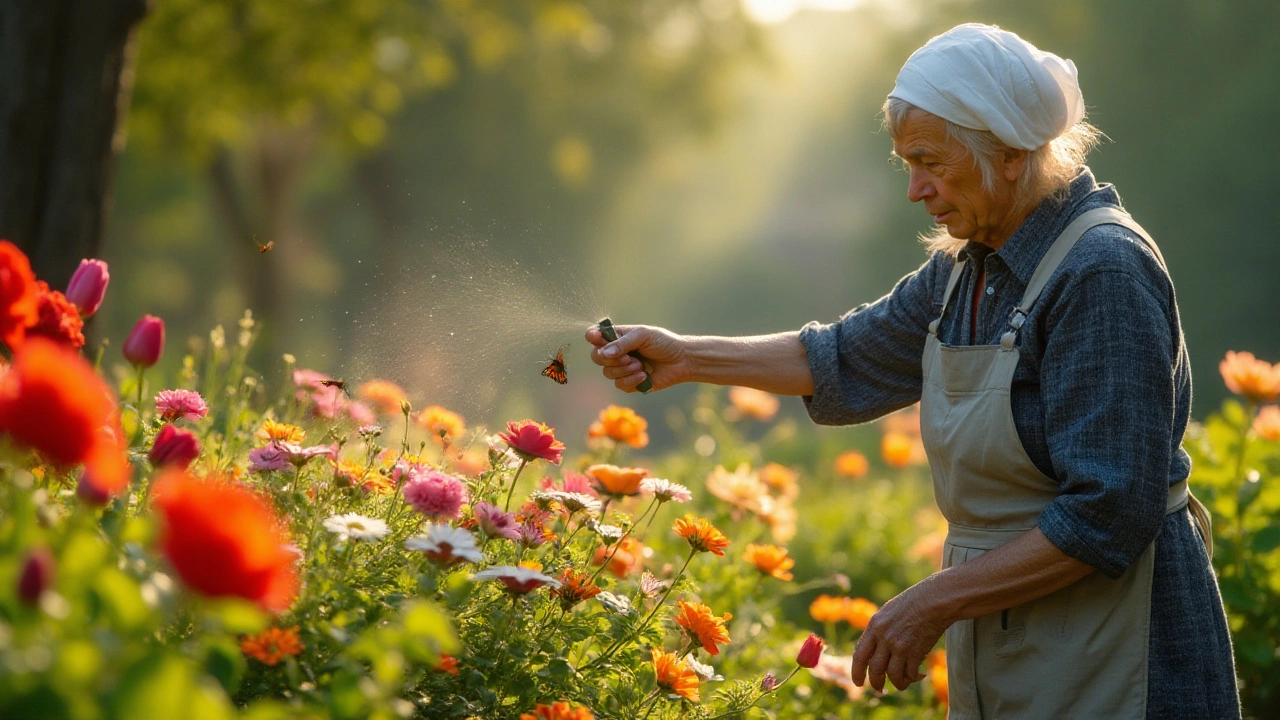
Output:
x=775 y=363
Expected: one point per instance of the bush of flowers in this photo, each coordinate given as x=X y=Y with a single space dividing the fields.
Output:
x=208 y=545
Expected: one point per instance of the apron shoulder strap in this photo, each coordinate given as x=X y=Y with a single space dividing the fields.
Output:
x=1058 y=252
x=946 y=296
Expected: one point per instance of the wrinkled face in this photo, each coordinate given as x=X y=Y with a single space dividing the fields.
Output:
x=945 y=178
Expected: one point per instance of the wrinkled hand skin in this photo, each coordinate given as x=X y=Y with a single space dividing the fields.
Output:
x=668 y=361
x=897 y=639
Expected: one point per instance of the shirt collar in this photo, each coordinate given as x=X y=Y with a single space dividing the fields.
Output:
x=1023 y=251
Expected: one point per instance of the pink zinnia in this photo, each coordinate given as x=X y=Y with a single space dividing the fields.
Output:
x=532 y=441
x=268 y=458
x=495 y=522
x=435 y=494
x=573 y=482
x=180 y=404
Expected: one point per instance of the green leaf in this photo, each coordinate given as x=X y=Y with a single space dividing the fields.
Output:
x=163 y=686
x=121 y=599
x=1266 y=539
x=224 y=661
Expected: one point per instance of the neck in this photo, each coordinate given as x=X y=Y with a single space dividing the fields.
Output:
x=999 y=235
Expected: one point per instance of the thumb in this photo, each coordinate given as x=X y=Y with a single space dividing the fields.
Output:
x=629 y=338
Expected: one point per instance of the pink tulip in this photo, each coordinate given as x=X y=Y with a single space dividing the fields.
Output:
x=174 y=447
x=810 y=652
x=36 y=577
x=145 y=343
x=88 y=285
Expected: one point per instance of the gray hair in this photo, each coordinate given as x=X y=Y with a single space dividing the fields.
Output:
x=1048 y=173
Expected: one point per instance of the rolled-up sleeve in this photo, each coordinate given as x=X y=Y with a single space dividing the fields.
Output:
x=1108 y=385
x=867 y=363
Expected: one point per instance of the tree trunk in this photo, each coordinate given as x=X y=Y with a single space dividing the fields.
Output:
x=65 y=91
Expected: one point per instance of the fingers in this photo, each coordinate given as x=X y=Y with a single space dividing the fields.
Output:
x=878 y=666
x=897 y=672
x=861 y=656
x=627 y=366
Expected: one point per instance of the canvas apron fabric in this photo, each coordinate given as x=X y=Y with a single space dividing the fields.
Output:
x=1080 y=652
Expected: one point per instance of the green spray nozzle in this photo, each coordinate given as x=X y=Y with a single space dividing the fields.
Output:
x=608 y=333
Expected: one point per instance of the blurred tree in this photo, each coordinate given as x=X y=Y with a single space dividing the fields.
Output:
x=249 y=91
x=64 y=64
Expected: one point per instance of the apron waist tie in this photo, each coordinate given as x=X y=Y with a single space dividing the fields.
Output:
x=978 y=538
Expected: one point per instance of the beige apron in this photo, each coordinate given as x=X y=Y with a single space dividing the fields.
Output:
x=1080 y=652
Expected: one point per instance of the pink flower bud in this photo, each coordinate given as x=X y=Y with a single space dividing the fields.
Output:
x=37 y=576
x=768 y=683
x=88 y=285
x=810 y=652
x=175 y=447
x=145 y=343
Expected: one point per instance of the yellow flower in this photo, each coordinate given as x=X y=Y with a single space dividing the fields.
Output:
x=272 y=645
x=852 y=464
x=1255 y=380
x=674 y=676
x=621 y=424
x=383 y=394
x=754 y=403
x=1267 y=423
x=272 y=430
x=701 y=535
x=770 y=560
x=444 y=425
x=702 y=625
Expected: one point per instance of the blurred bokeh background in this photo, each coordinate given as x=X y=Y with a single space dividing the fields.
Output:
x=455 y=188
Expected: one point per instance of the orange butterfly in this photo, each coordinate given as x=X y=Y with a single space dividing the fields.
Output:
x=556 y=370
x=264 y=248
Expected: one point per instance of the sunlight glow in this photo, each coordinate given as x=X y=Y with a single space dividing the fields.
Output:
x=772 y=12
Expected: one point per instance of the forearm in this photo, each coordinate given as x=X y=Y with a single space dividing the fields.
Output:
x=774 y=363
x=1018 y=572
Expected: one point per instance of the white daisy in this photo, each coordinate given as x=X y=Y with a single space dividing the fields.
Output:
x=665 y=490
x=356 y=527
x=608 y=532
x=705 y=672
x=576 y=502
x=446 y=544
x=519 y=580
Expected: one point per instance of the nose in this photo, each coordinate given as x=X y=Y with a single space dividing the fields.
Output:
x=920 y=185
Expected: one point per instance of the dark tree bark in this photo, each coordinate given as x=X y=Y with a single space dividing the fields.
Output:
x=64 y=90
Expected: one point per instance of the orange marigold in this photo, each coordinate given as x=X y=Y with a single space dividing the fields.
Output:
x=701 y=535
x=827 y=609
x=558 y=711
x=19 y=296
x=674 y=676
x=272 y=645
x=574 y=588
x=57 y=319
x=625 y=560
x=770 y=560
x=383 y=394
x=284 y=432
x=444 y=425
x=781 y=478
x=703 y=626
x=754 y=403
x=617 y=481
x=1267 y=423
x=852 y=464
x=1255 y=380
x=858 y=612
x=937 y=661
x=621 y=424
x=896 y=448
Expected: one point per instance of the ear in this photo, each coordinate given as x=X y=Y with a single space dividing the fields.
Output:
x=1013 y=162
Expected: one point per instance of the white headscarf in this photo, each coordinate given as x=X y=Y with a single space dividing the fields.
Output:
x=984 y=78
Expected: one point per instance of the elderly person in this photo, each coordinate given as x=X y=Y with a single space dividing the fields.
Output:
x=1042 y=341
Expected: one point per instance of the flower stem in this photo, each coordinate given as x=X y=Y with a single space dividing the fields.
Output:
x=507 y=505
x=618 y=545
x=738 y=711
x=635 y=633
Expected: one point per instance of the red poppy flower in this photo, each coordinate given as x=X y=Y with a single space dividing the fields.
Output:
x=18 y=294
x=224 y=540
x=53 y=402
